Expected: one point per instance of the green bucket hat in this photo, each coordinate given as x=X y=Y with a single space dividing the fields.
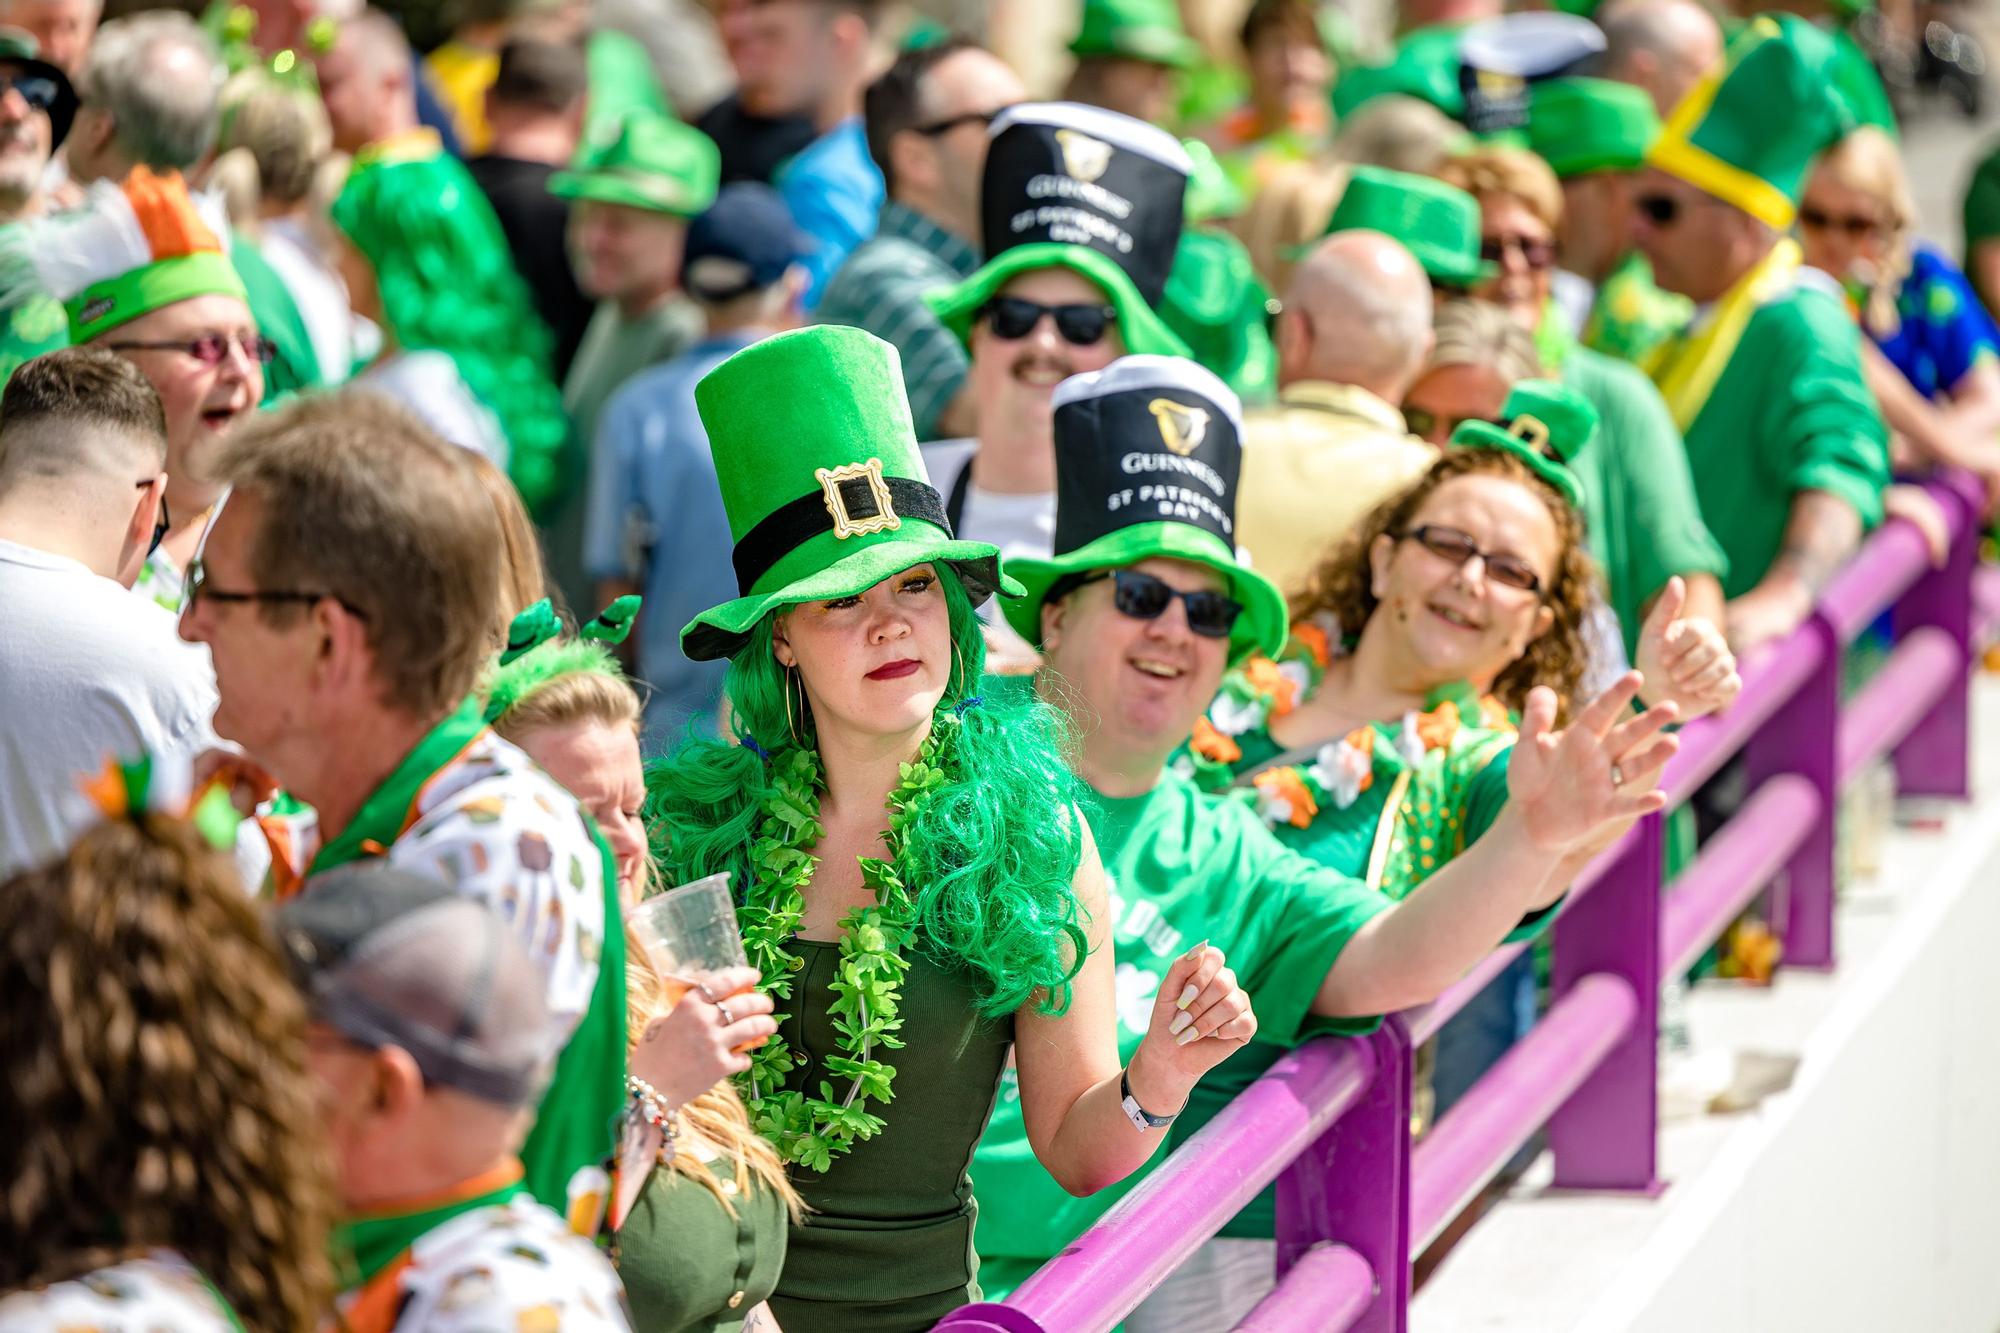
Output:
x=1148 y=452
x=1437 y=223
x=1749 y=135
x=1082 y=188
x=19 y=47
x=1546 y=427
x=1580 y=125
x=825 y=490
x=645 y=160
x=1147 y=30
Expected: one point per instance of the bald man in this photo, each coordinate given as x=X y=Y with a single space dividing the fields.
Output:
x=1663 y=46
x=368 y=82
x=1353 y=336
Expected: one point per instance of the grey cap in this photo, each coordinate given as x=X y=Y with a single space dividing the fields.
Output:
x=392 y=958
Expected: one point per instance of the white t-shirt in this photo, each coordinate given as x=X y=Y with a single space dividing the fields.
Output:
x=427 y=382
x=290 y=249
x=87 y=672
x=1020 y=524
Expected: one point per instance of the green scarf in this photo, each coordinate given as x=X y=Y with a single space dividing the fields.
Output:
x=364 y=1246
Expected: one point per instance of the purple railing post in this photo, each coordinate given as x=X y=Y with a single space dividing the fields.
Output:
x=1604 y=1136
x=1352 y=1185
x=1935 y=759
x=1803 y=737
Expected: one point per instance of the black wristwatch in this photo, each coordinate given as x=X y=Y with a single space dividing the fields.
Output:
x=1142 y=1119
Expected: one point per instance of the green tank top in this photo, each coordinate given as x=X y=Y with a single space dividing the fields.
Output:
x=887 y=1241
x=687 y=1265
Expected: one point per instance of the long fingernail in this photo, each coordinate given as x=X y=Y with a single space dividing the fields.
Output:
x=1196 y=951
x=1188 y=992
x=1181 y=1020
x=1186 y=1037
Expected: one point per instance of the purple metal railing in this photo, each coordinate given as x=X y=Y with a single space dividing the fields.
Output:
x=1330 y=1122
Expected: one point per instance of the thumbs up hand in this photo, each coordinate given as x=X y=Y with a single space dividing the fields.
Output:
x=1685 y=661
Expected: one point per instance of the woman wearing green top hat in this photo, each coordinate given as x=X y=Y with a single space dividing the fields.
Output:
x=913 y=879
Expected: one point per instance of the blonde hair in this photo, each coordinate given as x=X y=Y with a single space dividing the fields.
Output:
x=1288 y=214
x=1494 y=169
x=524 y=578
x=1868 y=162
x=1479 y=333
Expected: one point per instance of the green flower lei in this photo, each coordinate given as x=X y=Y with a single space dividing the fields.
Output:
x=812 y=1131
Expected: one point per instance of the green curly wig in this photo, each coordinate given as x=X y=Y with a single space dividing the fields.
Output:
x=992 y=856
x=448 y=282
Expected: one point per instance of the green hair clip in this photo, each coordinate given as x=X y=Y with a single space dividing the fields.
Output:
x=538 y=652
x=1545 y=426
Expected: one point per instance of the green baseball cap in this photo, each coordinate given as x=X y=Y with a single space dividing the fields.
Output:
x=1546 y=427
x=1146 y=30
x=19 y=47
x=821 y=478
x=645 y=160
x=1437 y=223
x=1580 y=125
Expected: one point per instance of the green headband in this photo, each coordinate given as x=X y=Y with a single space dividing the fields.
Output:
x=103 y=306
x=537 y=652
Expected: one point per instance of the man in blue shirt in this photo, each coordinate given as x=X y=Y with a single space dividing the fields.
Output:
x=656 y=522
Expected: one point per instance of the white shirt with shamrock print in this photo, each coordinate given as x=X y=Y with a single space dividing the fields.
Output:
x=161 y=1291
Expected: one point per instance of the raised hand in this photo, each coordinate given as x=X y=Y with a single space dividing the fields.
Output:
x=702 y=1040
x=1603 y=768
x=1201 y=1018
x=1686 y=662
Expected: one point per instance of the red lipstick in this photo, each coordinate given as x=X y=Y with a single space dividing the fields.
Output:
x=895 y=670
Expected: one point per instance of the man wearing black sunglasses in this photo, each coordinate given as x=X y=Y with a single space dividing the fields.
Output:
x=36 y=107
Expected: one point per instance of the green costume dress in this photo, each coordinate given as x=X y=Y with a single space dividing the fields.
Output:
x=689 y=1266
x=1632 y=314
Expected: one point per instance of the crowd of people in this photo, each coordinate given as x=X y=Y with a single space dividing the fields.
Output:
x=1126 y=558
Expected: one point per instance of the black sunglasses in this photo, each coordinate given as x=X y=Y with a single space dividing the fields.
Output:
x=1853 y=225
x=939 y=128
x=1458 y=548
x=1537 y=255
x=208 y=348
x=1422 y=422
x=37 y=90
x=160 y=523
x=199 y=588
x=1662 y=210
x=1013 y=318
x=1144 y=597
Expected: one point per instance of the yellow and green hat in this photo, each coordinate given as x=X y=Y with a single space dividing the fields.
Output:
x=1581 y=125
x=644 y=160
x=1146 y=30
x=1437 y=223
x=821 y=478
x=1079 y=187
x=1148 y=454
x=1545 y=426
x=1748 y=135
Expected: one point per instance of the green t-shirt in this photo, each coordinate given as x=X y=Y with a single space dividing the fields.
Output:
x=1791 y=412
x=296 y=366
x=1183 y=866
x=1982 y=215
x=1639 y=501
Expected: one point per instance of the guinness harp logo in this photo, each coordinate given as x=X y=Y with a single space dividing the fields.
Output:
x=1182 y=428
x=1083 y=157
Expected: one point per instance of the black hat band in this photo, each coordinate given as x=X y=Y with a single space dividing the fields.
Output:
x=852 y=501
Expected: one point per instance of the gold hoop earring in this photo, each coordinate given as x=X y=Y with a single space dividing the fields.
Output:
x=791 y=724
x=957 y=670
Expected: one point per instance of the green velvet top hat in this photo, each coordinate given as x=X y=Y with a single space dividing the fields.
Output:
x=19 y=48
x=1437 y=223
x=1148 y=451
x=645 y=160
x=1079 y=187
x=1501 y=59
x=1546 y=427
x=1147 y=30
x=825 y=490
x=1582 y=125
x=1749 y=135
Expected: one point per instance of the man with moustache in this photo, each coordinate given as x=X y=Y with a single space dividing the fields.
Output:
x=36 y=108
x=1080 y=215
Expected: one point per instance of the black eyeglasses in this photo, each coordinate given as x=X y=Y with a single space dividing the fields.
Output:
x=1852 y=225
x=199 y=588
x=937 y=129
x=160 y=523
x=1013 y=318
x=1458 y=548
x=1662 y=210
x=1144 y=597
x=1537 y=255
x=37 y=90
x=208 y=348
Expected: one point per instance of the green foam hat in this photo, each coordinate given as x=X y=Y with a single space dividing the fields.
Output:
x=1580 y=125
x=1079 y=187
x=1748 y=135
x=1437 y=223
x=1148 y=453
x=825 y=490
x=18 y=47
x=1145 y=30
x=1425 y=65
x=1546 y=427
x=645 y=160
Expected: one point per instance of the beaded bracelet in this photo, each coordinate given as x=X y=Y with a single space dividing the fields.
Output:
x=658 y=1112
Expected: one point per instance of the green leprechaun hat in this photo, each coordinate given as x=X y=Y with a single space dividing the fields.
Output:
x=1082 y=188
x=1145 y=30
x=1148 y=452
x=825 y=490
x=1749 y=134
x=1546 y=426
x=645 y=160
x=1437 y=223
x=1580 y=125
